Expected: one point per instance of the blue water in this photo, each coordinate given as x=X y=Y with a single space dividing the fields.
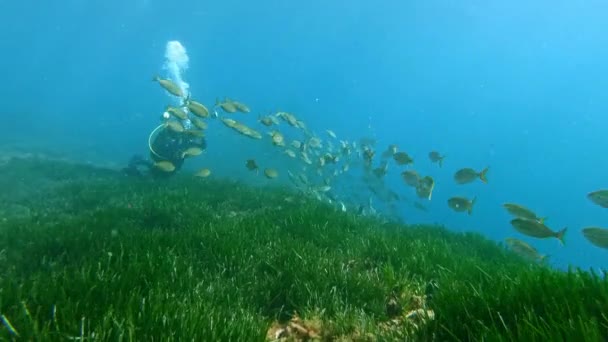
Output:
x=518 y=86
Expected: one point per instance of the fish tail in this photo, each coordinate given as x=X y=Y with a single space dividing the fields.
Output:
x=560 y=235
x=441 y=162
x=155 y=78
x=482 y=175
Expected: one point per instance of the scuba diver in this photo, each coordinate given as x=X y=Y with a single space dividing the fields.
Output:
x=164 y=145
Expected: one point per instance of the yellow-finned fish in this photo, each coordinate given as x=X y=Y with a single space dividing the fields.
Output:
x=192 y=151
x=169 y=86
x=203 y=173
x=468 y=175
x=436 y=157
x=597 y=236
x=197 y=108
x=165 y=166
x=524 y=249
x=410 y=177
x=599 y=197
x=461 y=204
x=536 y=229
x=177 y=112
x=271 y=173
x=175 y=126
x=227 y=105
x=402 y=158
x=523 y=212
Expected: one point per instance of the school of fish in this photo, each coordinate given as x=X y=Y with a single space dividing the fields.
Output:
x=325 y=158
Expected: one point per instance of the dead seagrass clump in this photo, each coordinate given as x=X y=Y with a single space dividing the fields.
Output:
x=296 y=329
x=407 y=312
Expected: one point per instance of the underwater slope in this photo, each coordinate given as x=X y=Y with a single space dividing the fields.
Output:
x=88 y=253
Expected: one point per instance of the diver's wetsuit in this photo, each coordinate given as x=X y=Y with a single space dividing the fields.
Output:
x=167 y=145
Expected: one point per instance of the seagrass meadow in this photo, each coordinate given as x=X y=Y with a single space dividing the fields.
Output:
x=89 y=254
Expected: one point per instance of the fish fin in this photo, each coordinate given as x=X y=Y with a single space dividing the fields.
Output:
x=217 y=104
x=470 y=210
x=560 y=235
x=441 y=161
x=155 y=78
x=482 y=175
x=542 y=220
